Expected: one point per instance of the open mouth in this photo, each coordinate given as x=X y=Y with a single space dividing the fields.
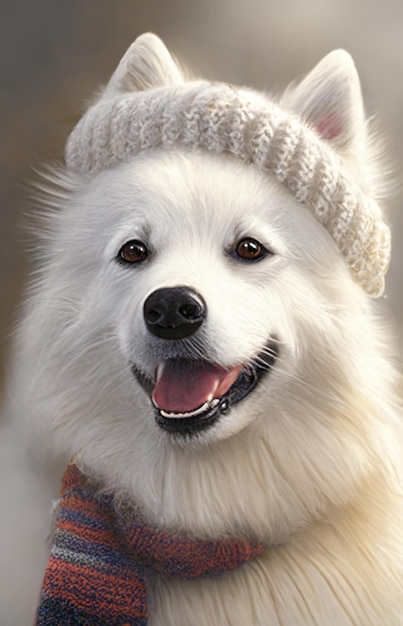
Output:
x=189 y=396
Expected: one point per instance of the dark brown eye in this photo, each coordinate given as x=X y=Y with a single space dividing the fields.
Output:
x=249 y=249
x=133 y=251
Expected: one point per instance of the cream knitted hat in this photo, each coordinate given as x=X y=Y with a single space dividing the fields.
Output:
x=147 y=105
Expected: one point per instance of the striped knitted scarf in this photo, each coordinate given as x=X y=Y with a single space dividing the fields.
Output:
x=99 y=564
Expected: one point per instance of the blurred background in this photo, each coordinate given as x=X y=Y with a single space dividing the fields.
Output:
x=55 y=53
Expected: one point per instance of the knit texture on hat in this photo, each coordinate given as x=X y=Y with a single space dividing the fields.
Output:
x=219 y=118
x=100 y=561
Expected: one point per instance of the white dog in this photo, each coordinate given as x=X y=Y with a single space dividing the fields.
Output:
x=201 y=338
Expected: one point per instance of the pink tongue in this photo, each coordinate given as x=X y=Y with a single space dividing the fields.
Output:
x=183 y=386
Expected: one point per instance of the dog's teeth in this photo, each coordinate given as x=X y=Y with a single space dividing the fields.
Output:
x=174 y=415
x=209 y=404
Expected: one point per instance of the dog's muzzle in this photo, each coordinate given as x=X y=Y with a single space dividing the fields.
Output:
x=190 y=394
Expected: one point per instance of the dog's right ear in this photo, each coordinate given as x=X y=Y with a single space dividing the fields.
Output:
x=146 y=64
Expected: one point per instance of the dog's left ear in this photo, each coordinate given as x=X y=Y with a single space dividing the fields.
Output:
x=329 y=99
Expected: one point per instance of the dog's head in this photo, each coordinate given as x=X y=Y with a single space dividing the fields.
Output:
x=191 y=302
x=215 y=284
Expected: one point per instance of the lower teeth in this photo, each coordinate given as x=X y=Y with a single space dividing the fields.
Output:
x=202 y=409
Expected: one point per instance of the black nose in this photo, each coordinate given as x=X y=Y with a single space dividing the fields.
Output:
x=174 y=312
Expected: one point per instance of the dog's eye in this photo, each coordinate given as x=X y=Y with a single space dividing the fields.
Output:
x=249 y=249
x=133 y=251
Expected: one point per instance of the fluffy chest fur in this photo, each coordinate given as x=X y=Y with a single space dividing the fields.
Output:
x=335 y=574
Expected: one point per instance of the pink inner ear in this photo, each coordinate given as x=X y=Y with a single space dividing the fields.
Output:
x=329 y=126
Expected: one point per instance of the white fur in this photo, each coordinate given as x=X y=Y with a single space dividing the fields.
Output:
x=309 y=462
